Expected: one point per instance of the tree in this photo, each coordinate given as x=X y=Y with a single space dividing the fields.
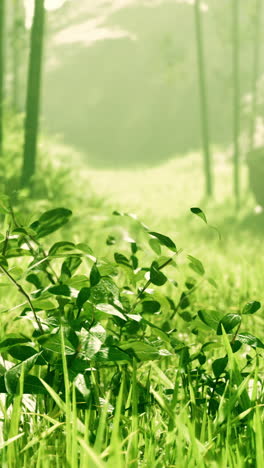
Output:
x=236 y=97
x=203 y=98
x=256 y=69
x=33 y=92
x=17 y=42
x=2 y=16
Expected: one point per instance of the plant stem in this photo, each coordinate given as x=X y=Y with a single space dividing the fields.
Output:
x=236 y=333
x=184 y=297
x=49 y=275
x=148 y=283
x=25 y=294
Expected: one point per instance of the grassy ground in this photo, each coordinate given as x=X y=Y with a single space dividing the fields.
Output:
x=176 y=425
x=162 y=198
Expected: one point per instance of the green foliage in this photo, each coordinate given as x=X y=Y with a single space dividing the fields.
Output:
x=97 y=337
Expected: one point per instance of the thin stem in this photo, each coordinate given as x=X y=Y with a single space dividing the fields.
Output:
x=49 y=275
x=184 y=297
x=24 y=293
x=236 y=333
x=6 y=242
x=148 y=283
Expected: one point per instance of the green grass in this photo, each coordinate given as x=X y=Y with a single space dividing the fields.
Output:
x=173 y=425
x=162 y=198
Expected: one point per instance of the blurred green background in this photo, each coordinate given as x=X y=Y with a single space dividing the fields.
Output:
x=121 y=83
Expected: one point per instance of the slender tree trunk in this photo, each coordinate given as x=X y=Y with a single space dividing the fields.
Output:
x=33 y=93
x=17 y=31
x=203 y=99
x=256 y=50
x=236 y=99
x=2 y=27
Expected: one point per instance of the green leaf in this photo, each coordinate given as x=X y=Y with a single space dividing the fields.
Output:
x=157 y=331
x=4 y=204
x=12 y=375
x=3 y=261
x=78 y=282
x=196 y=265
x=122 y=259
x=212 y=282
x=44 y=304
x=91 y=341
x=164 y=240
x=111 y=354
x=84 y=248
x=21 y=353
x=143 y=351
x=12 y=340
x=200 y=213
x=53 y=343
x=82 y=297
x=110 y=310
x=251 y=307
x=229 y=321
x=24 y=230
x=150 y=307
x=51 y=221
x=250 y=340
x=61 y=248
x=106 y=268
x=210 y=318
x=69 y=266
x=219 y=366
x=33 y=386
x=134 y=261
x=94 y=276
x=111 y=240
x=18 y=252
x=60 y=290
x=35 y=280
x=156 y=276
x=105 y=291
x=155 y=245
x=184 y=301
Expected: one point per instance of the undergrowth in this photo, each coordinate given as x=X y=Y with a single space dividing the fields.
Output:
x=108 y=361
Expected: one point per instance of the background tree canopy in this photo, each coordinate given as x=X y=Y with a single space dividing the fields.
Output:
x=129 y=73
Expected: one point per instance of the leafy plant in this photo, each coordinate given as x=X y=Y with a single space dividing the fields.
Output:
x=87 y=324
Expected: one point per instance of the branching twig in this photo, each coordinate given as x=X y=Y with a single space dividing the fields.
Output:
x=49 y=275
x=184 y=297
x=24 y=293
x=148 y=283
x=236 y=333
x=5 y=242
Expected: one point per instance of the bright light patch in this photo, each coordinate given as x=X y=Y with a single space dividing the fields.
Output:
x=53 y=4
x=49 y=5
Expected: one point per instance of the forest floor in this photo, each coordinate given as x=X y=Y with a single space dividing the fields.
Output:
x=185 y=408
x=162 y=197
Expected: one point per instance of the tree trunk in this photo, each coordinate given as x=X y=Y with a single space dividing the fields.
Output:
x=33 y=93
x=2 y=16
x=203 y=99
x=255 y=74
x=236 y=99
x=17 y=37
